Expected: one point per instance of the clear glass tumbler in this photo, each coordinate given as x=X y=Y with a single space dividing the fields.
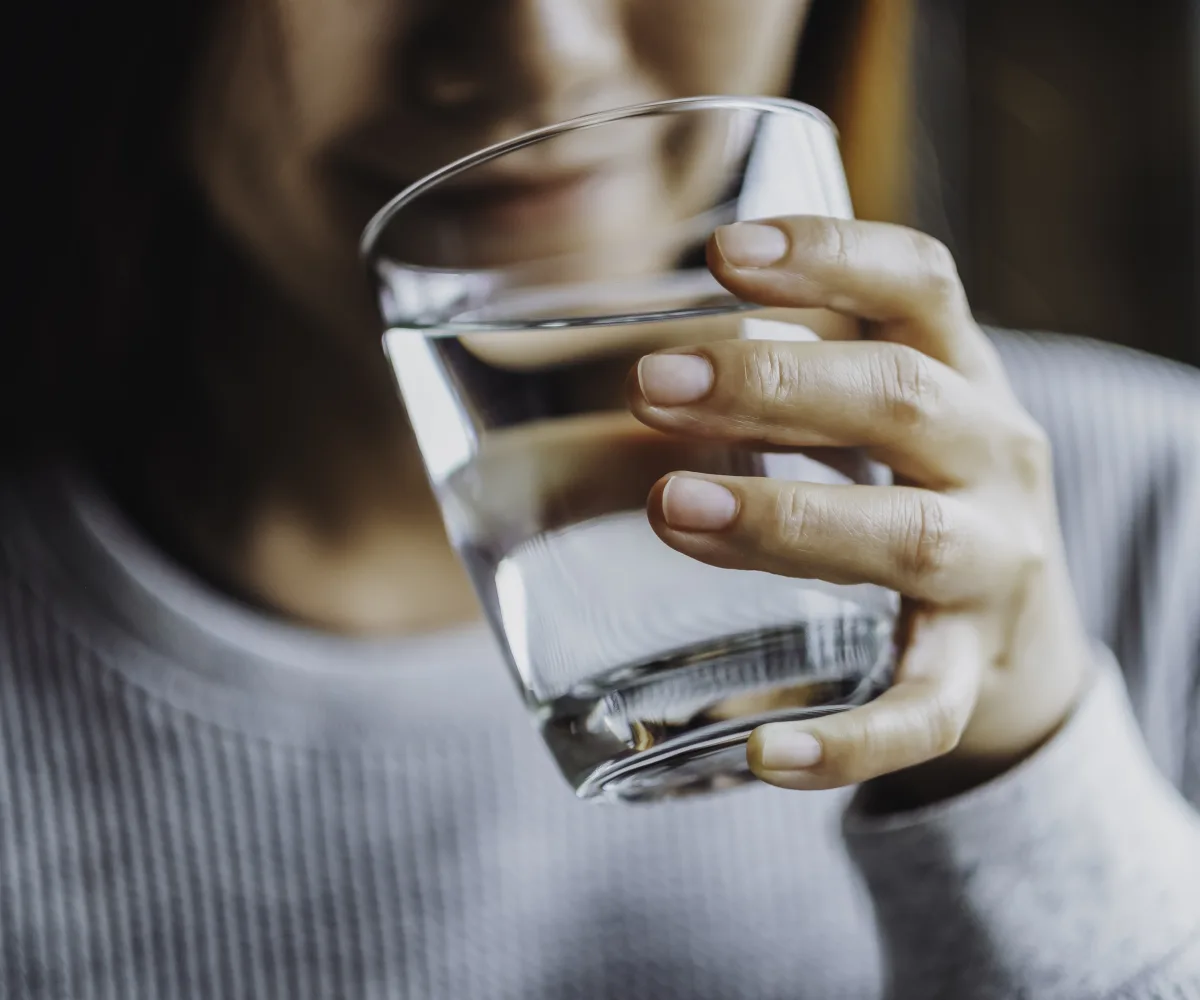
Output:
x=518 y=287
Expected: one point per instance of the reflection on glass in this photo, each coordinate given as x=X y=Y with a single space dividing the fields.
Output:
x=517 y=288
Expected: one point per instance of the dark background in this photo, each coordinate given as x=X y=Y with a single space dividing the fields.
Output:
x=1056 y=148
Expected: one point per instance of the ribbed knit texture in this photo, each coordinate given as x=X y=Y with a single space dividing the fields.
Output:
x=197 y=802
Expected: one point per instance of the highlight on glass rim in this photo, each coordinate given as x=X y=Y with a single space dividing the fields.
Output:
x=602 y=497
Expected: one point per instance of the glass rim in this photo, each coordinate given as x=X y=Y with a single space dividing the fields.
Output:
x=774 y=105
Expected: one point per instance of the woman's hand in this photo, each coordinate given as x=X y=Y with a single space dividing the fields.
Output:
x=992 y=651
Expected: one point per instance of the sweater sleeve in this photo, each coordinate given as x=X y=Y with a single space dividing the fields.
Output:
x=1075 y=875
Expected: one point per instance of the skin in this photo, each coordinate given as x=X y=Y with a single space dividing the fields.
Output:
x=995 y=653
x=306 y=116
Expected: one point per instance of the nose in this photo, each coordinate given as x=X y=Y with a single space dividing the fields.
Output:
x=537 y=60
x=563 y=52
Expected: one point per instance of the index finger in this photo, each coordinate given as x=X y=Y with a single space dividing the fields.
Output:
x=903 y=281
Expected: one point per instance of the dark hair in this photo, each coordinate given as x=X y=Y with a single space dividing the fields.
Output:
x=106 y=222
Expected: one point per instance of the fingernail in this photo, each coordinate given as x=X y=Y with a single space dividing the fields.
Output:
x=697 y=505
x=746 y=244
x=674 y=379
x=787 y=750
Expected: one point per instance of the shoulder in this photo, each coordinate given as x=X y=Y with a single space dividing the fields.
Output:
x=1125 y=432
x=1124 y=425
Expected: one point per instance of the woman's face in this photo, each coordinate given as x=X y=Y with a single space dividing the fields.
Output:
x=307 y=115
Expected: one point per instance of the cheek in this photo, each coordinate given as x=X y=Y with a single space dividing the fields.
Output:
x=278 y=84
x=717 y=46
x=340 y=62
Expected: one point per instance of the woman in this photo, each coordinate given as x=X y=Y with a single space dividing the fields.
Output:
x=251 y=743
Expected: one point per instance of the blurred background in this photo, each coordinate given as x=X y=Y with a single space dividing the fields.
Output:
x=1053 y=144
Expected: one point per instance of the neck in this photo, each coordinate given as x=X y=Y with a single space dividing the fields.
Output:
x=277 y=463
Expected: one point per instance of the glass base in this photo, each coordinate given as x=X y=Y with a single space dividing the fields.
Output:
x=670 y=728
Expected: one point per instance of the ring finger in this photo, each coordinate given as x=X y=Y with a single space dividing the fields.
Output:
x=929 y=546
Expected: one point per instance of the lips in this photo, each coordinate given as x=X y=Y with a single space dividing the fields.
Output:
x=514 y=203
x=486 y=217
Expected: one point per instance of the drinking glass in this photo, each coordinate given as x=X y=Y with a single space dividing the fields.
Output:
x=518 y=286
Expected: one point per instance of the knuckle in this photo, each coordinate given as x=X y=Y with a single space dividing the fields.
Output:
x=906 y=385
x=1030 y=455
x=943 y=724
x=793 y=514
x=825 y=243
x=937 y=267
x=927 y=541
x=1030 y=551
x=771 y=375
x=835 y=245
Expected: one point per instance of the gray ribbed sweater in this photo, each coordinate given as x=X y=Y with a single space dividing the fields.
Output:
x=198 y=802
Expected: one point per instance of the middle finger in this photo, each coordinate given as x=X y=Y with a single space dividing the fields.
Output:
x=913 y=413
